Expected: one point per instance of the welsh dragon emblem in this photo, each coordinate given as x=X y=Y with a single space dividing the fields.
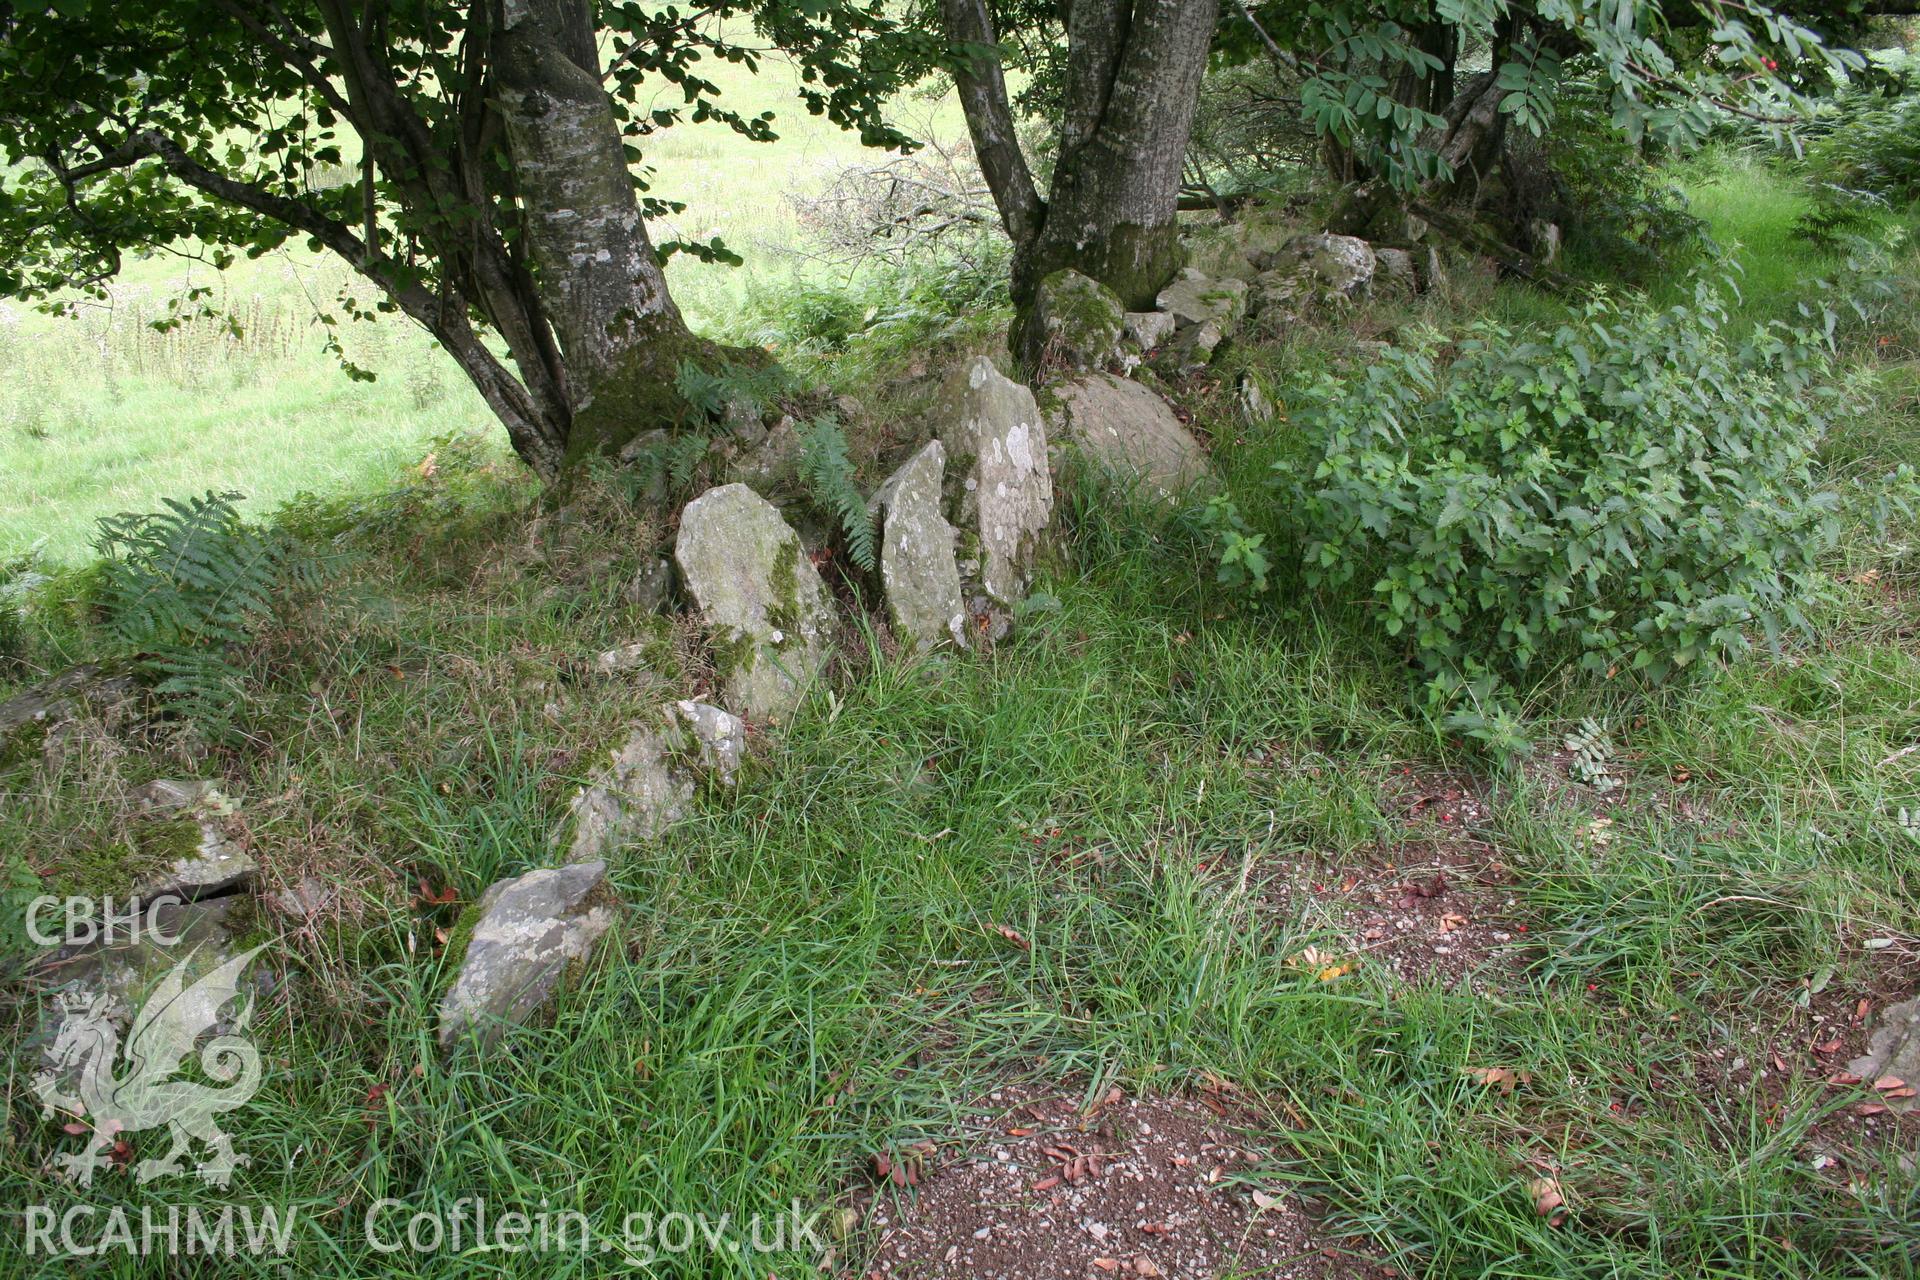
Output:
x=175 y=1016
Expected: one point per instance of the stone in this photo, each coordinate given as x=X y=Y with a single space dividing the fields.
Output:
x=89 y=689
x=772 y=466
x=528 y=934
x=648 y=783
x=1148 y=329
x=626 y=657
x=1195 y=298
x=1255 y=406
x=919 y=573
x=715 y=739
x=1431 y=268
x=999 y=493
x=115 y=978
x=1131 y=433
x=212 y=864
x=760 y=596
x=1263 y=237
x=1893 y=1050
x=1394 y=267
x=1338 y=265
x=305 y=898
x=1080 y=320
x=1192 y=348
x=650 y=590
x=635 y=796
x=1543 y=239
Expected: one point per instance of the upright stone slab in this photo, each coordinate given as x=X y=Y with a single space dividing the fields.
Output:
x=999 y=492
x=759 y=594
x=1131 y=433
x=647 y=785
x=918 y=570
x=528 y=932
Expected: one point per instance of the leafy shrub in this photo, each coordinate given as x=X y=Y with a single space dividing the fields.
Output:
x=181 y=588
x=1633 y=492
x=1865 y=156
x=1615 y=208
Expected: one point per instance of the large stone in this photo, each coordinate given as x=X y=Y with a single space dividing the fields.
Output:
x=1195 y=298
x=112 y=979
x=999 y=492
x=89 y=689
x=1336 y=265
x=1893 y=1050
x=648 y=784
x=1130 y=432
x=1079 y=319
x=636 y=796
x=1394 y=268
x=186 y=823
x=527 y=934
x=1148 y=329
x=919 y=572
x=760 y=596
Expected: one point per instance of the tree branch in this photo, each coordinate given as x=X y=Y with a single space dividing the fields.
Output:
x=983 y=96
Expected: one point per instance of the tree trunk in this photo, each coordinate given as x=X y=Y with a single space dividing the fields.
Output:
x=593 y=267
x=1133 y=82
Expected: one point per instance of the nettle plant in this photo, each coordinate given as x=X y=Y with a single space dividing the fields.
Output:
x=1634 y=493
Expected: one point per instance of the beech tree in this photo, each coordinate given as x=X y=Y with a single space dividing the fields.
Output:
x=474 y=160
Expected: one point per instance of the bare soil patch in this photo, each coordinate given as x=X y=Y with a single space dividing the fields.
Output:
x=1136 y=1187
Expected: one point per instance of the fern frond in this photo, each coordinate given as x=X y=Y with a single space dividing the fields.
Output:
x=829 y=477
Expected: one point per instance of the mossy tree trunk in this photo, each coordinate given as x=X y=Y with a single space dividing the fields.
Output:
x=1133 y=82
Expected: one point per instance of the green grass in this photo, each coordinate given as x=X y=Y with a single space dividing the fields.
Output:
x=814 y=966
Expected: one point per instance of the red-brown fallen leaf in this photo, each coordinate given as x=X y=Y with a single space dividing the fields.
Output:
x=1107 y=1264
x=1019 y=1131
x=1014 y=936
x=1143 y=1266
x=1904 y=1091
x=1451 y=922
x=1828 y=1046
x=1888 y=1083
x=1547 y=1197
x=1779 y=1064
x=1861 y=1010
x=1869 y=1109
x=1504 y=1078
x=1843 y=1078
x=75 y=1127
x=1156 y=1228
x=1047 y=1183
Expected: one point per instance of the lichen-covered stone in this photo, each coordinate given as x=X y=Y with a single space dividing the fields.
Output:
x=1394 y=268
x=713 y=742
x=528 y=933
x=1255 y=406
x=918 y=570
x=89 y=689
x=1337 y=265
x=1195 y=298
x=999 y=493
x=1148 y=329
x=1130 y=432
x=635 y=796
x=182 y=826
x=1079 y=320
x=759 y=595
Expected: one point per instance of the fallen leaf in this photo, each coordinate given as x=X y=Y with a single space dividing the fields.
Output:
x=1886 y=1083
x=1019 y=1132
x=1144 y=1267
x=1869 y=1109
x=1827 y=1046
x=1047 y=1183
x=1014 y=936
x=1451 y=922
x=1107 y=1264
x=1502 y=1078
x=1547 y=1195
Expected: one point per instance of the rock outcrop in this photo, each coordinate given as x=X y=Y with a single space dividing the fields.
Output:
x=186 y=824
x=769 y=614
x=528 y=933
x=919 y=572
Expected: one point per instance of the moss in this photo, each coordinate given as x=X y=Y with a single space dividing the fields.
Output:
x=734 y=655
x=454 y=954
x=784 y=616
x=642 y=395
x=25 y=748
x=116 y=868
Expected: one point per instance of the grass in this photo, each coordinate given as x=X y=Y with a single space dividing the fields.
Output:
x=817 y=965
